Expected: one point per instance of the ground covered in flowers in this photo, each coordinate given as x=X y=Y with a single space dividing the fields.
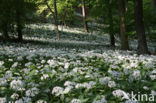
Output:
x=48 y=73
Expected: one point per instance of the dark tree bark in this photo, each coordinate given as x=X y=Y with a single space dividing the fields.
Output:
x=84 y=16
x=112 y=38
x=142 y=43
x=43 y=17
x=123 y=36
x=54 y=16
x=19 y=26
x=55 y=19
x=64 y=18
x=154 y=2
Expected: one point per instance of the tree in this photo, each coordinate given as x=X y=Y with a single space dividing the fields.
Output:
x=105 y=11
x=154 y=2
x=110 y=17
x=14 y=15
x=18 y=4
x=54 y=13
x=84 y=16
x=123 y=36
x=55 y=18
x=142 y=43
x=5 y=17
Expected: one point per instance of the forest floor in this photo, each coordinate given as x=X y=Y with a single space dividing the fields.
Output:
x=79 y=68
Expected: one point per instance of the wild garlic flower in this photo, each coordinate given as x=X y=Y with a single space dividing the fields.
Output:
x=17 y=85
x=57 y=91
x=15 y=96
x=75 y=101
x=111 y=84
x=32 y=92
x=104 y=80
x=3 y=100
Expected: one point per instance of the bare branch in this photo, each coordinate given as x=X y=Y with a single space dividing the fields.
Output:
x=45 y=1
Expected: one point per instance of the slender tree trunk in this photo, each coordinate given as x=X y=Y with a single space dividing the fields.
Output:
x=112 y=38
x=55 y=19
x=64 y=18
x=84 y=16
x=19 y=26
x=154 y=2
x=142 y=44
x=123 y=36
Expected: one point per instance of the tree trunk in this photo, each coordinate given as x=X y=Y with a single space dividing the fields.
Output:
x=123 y=36
x=55 y=19
x=84 y=16
x=142 y=44
x=154 y=2
x=19 y=26
x=112 y=38
x=64 y=18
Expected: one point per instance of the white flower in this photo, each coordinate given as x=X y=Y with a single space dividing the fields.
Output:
x=16 y=84
x=41 y=101
x=15 y=96
x=111 y=84
x=91 y=84
x=78 y=85
x=75 y=70
x=54 y=72
x=19 y=101
x=127 y=71
x=8 y=75
x=14 y=65
x=28 y=64
x=145 y=88
x=82 y=85
x=32 y=92
x=67 y=89
x=69 y=83
x=136 y=75
x=43 y=61
x=66 y=66
x=1 y=63
x=115 y=74
x=104 y=80
x=57 y=91
x=120 y=94
x=153 y=92
x=3 y=82
x=76 y=101
x=45 y=76
x=153 y=77
x=20 y=58
x=149 y=65
x=52 y=63
x=154 y=71
x=3 y=100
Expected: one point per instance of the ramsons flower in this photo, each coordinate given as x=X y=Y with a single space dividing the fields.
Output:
x=75 y=101
x=17 y=84
x=57 y=91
